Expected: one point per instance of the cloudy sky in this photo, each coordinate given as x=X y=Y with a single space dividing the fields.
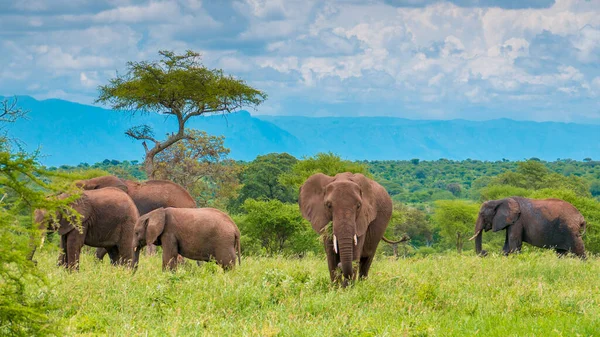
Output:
x=421 y=59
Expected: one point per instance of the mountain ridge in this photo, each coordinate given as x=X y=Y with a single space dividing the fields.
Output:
x=70 y=133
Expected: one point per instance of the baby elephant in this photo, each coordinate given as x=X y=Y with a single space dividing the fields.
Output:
x=196 y=233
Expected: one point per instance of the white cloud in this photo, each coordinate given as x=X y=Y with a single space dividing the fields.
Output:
x=153 y=12
x=434 y=58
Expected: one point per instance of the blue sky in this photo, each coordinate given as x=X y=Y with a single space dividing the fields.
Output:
x=421 y=59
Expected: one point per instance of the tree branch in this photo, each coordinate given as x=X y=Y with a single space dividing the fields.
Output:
x=142 y=132
x=9 y=112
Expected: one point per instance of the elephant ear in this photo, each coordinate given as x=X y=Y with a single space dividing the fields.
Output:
x=312 y=203
x=507 y=213
x=83 y=207
x=368 y=209
x=155 y=225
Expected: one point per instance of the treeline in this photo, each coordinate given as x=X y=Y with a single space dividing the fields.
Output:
x=435 y=202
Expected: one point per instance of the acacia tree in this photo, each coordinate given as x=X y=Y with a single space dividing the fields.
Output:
x=178 y=86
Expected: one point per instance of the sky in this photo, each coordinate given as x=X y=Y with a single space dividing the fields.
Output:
x=420 y=59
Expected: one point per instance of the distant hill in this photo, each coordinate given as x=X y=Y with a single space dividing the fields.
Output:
x=70 y=133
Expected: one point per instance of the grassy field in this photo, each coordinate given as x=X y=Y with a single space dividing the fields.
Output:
x=532 y=294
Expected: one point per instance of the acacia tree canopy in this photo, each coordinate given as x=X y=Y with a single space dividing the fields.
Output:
x=179 y=86
x=200 y=164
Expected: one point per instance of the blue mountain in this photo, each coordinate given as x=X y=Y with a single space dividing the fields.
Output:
x=71 y=133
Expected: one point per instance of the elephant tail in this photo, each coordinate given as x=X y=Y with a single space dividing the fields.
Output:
x=584 y=226
x=238 y=249
x=403 y=239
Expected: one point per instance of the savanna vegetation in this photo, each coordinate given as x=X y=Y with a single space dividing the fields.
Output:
x=437 y=288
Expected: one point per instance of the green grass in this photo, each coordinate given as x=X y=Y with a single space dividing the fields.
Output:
x=532 y=294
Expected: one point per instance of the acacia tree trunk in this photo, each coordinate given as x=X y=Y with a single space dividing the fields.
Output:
x=149 y=165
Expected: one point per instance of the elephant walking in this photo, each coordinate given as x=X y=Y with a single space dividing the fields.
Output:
x=108 y=217
x=147 y=196
x=547 y=223
x=360 y=210
x=195 y=233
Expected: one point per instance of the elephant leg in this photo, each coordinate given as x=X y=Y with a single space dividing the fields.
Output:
x=113 y=254
x=62 y=256
x=364 y=265
x=170 y=253
x=505 y=250
x=100 y=252
x=74 y=244
x=150 y=250
x=514 y=239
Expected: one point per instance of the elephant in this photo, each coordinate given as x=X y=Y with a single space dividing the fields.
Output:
x=360 y=210
x=547 y=223
x=108 y=218
x=195 y=233
x=147 y=196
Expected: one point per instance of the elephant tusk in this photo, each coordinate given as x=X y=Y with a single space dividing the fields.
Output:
x=474 y=236
x=42 y=243
x=335 y=247
x=135 y=249
x=355 y=240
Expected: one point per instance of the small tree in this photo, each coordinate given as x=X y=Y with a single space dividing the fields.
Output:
x=260 y=180
x=455 y=219
x=326 y=163
x=274 y=224
x=178 y=86
x=200 y=164
x=411 y=221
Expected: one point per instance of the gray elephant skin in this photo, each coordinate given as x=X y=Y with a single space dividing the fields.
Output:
x=360 y=210
x=108 y=217
x=547 y=223
x=199 y=234
x=147 y=196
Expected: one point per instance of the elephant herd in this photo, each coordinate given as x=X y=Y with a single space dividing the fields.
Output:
x=120 y=217
x=350 y=211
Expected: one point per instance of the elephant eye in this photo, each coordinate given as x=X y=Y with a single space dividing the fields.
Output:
x=358 y=205
x=328 y=205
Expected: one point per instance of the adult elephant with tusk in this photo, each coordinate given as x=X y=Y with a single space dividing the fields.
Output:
x=147 y=196
x=359 y=209
x=547 y=223
x=108 y=217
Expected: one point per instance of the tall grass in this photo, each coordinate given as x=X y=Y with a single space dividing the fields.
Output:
x=531 y=294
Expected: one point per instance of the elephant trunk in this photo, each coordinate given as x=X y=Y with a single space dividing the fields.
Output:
x=478 y=235
x=346 y=247
x=136 y=257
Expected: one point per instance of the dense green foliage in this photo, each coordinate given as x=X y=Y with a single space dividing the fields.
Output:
x=24 y=297
x=260 y=180
x=326 y=163
x=275 y=227
x=423 y=181
x=416 y=185
x=531 y=294
x=454 y=220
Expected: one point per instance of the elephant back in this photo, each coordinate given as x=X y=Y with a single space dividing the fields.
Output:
x=154 y=194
